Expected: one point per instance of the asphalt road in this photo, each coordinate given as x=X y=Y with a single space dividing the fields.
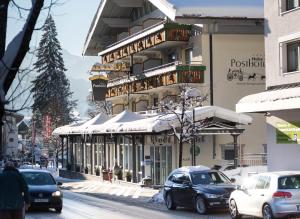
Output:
x=77 y=206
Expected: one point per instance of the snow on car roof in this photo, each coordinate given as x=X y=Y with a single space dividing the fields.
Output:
x=194 y=168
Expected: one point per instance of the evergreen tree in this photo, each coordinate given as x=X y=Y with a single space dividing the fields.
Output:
x=51 y=90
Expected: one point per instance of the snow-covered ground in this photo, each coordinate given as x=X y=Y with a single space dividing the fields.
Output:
x=241 y=173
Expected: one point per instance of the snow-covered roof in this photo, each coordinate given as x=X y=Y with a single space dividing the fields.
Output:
x=97 y=120
x=211 y=8
x=281 y=99
x=106 y=19
x=114 y=124
x=128 y=122
x=64 y=130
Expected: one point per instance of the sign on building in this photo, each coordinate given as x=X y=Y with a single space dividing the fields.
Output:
x=99 y=87
x=288 y=133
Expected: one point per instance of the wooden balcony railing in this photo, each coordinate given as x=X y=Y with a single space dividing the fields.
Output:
x=145 y=40
x=170 y=75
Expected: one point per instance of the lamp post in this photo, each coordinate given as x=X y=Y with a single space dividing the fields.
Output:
x=193 y=141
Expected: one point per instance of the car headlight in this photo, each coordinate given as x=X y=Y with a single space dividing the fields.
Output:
x=211 y=195
x=57 y=193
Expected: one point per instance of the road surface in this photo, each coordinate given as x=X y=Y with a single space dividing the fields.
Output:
x=78 y=206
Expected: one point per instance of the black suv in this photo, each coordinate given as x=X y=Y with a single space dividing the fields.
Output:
x=198 y=187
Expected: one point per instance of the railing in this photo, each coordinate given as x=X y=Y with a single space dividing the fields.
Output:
x=253 y=160
x=148 y=71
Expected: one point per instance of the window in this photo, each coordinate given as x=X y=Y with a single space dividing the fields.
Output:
x=292 y=56
x=188 y=55
x=289 y=182
x=263 y=182
x=291 y=4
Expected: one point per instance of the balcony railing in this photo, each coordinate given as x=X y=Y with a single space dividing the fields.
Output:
x=146 y=39
x=165 y=75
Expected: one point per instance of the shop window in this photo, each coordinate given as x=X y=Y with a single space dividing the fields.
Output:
x=229 y=154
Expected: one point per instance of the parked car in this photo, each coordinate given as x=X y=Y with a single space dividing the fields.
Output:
x=267 y=195
x=44 y=191
x=198 y=187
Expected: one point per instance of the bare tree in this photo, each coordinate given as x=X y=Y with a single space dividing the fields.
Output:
x=96 y=107
x=180 y=115
x=11 y=57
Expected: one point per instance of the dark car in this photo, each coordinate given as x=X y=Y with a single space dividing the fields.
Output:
x=44 y=191
x=198 y=187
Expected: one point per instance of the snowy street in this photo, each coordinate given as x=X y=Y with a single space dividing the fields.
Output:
x=85 y=207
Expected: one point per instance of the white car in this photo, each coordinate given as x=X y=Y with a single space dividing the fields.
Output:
x=267 y=195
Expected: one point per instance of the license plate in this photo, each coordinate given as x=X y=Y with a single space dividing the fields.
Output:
x=41 y=200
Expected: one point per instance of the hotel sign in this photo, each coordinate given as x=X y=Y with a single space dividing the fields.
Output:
x=288 y=133
x=99 y=87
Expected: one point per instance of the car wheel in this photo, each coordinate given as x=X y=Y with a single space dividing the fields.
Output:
x=58 y=210
x=267 y=212
x=170 y=203
x=200 y=205
x=234 y=213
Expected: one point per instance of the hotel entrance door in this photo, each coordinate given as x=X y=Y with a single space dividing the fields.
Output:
x=161 y=164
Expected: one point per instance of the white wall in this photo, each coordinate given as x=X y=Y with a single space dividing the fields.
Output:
x=282 y=156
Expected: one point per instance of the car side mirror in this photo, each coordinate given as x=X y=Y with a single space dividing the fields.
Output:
x=59 y=183
x=232 y=180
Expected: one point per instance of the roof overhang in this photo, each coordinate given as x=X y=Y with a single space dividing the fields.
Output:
x=275 y=100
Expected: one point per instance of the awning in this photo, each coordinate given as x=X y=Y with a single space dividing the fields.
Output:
x=281 y=99
x=129 y=122
x=114 y=124
x=64 y=130
x=97 y=120
x=80 y=127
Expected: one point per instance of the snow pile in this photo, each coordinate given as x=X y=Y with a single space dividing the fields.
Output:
x=242 y=173
x=158 y=198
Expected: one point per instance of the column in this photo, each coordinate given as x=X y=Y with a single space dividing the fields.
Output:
x=62 y=151
x=82 y=154
x=67 y=145
x=235 y=148
x=92 y=156
x=143 y=156
x=133 y=160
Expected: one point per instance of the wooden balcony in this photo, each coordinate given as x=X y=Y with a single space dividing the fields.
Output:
x=166 y=75
x=146 y=39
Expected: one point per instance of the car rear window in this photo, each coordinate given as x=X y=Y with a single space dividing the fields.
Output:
x=38 y=178
x=289 y=182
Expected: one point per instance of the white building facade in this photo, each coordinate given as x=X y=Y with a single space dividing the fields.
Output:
x=280 y=102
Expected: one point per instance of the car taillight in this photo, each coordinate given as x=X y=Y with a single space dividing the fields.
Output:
x=281 y=194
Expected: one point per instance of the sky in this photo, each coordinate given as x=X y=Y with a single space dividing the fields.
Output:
x=72 y=19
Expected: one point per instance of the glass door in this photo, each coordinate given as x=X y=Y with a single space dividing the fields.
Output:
x=161 y=165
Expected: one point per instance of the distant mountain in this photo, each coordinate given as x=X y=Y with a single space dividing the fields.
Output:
x=77 y=73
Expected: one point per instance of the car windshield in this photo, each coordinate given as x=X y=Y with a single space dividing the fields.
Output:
x=38 y=178
x=206 y=178
x=289 y=182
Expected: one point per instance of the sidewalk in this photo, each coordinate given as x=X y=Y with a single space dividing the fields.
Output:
x=129 y=193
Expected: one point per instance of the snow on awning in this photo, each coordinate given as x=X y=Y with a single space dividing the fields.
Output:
x=114 y=124
x=64 y=130
x=201 y=113
x=97 y=120
x=282 y=99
